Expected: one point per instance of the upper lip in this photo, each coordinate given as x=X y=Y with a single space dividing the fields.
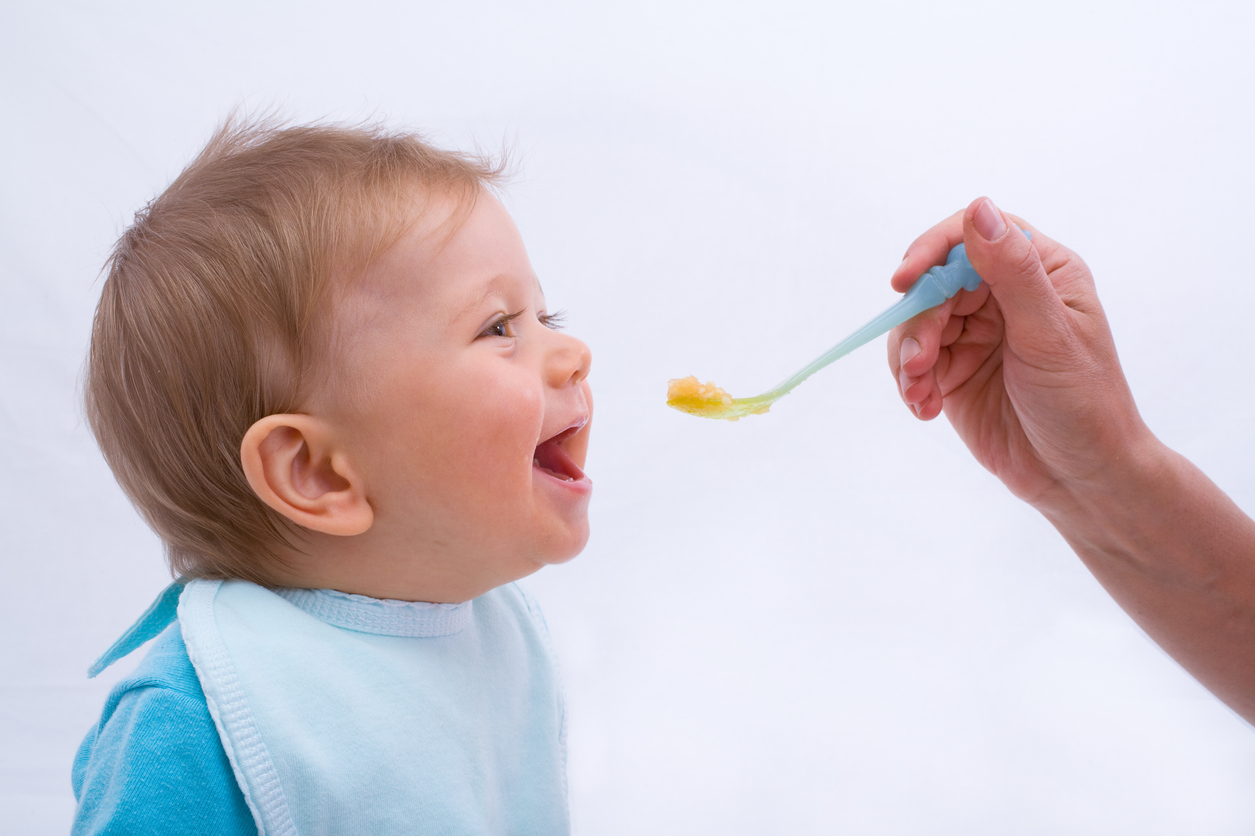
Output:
x=566 y=432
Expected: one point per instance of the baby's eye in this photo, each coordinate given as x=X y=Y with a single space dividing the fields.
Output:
x=501 y=326
x=552 y=320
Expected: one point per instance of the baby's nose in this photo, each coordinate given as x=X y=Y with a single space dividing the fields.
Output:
x=568 y=361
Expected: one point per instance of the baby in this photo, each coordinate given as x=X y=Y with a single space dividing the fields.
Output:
x=325 y=373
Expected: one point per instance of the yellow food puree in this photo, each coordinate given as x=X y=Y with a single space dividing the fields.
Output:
x=705 y=400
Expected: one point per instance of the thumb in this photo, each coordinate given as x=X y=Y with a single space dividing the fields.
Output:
x=1008 y=262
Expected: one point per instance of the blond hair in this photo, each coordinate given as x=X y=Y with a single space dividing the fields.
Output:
x=214 y=312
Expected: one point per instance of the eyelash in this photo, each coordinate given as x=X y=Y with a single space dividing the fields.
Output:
x=552 y=321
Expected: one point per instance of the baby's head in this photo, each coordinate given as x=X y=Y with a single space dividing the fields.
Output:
x=321 y=358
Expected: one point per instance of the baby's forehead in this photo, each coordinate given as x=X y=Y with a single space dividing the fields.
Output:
x=441 y=260
x=400 y=257
x=449 y=253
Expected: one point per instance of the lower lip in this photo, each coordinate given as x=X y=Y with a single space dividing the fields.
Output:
x=582 y=485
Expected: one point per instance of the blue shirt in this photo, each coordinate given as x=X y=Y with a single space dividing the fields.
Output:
x=154 y=763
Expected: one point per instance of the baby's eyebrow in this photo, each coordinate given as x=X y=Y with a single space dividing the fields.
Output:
x=495 y=285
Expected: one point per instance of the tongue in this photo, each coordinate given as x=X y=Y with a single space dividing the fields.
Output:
x=551 y=458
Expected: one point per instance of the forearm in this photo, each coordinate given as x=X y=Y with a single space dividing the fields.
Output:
x=1179 y=556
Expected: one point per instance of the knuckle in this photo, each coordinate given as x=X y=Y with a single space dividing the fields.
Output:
x=1028 y=262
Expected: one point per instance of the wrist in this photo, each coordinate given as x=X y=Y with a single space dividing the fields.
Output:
x=1133 y=512
x=1128 y=472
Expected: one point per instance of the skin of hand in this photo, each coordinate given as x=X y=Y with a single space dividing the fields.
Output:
x=1024 y=366
x=1025 y=369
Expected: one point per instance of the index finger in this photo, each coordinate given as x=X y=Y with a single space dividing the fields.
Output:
x=928 y=250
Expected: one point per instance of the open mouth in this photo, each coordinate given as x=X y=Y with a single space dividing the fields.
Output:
x=552 y=459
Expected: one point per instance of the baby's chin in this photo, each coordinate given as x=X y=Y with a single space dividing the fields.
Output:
x=571 y=547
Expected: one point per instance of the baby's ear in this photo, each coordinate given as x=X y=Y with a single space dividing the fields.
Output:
x=295 y=466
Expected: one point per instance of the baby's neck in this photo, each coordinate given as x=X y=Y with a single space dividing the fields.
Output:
x=357 y=566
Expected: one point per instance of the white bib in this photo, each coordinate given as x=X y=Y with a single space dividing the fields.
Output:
x=343 y=714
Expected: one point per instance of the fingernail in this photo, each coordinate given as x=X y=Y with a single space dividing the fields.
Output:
x=904 y=381
x=989 y=222
x=908 y=350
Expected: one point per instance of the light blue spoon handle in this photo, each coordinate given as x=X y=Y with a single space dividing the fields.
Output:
x=929 y=291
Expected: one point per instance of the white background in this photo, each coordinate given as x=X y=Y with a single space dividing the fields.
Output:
x=824 y=620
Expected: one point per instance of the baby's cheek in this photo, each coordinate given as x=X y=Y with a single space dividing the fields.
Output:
x=506 y=430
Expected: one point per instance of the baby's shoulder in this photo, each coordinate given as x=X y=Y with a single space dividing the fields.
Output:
x=154 y=763
x=167 y=666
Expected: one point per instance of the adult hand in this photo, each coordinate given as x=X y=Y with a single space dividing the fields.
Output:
x=1024 y=367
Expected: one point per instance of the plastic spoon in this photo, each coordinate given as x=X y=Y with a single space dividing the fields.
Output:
x=707 y=400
